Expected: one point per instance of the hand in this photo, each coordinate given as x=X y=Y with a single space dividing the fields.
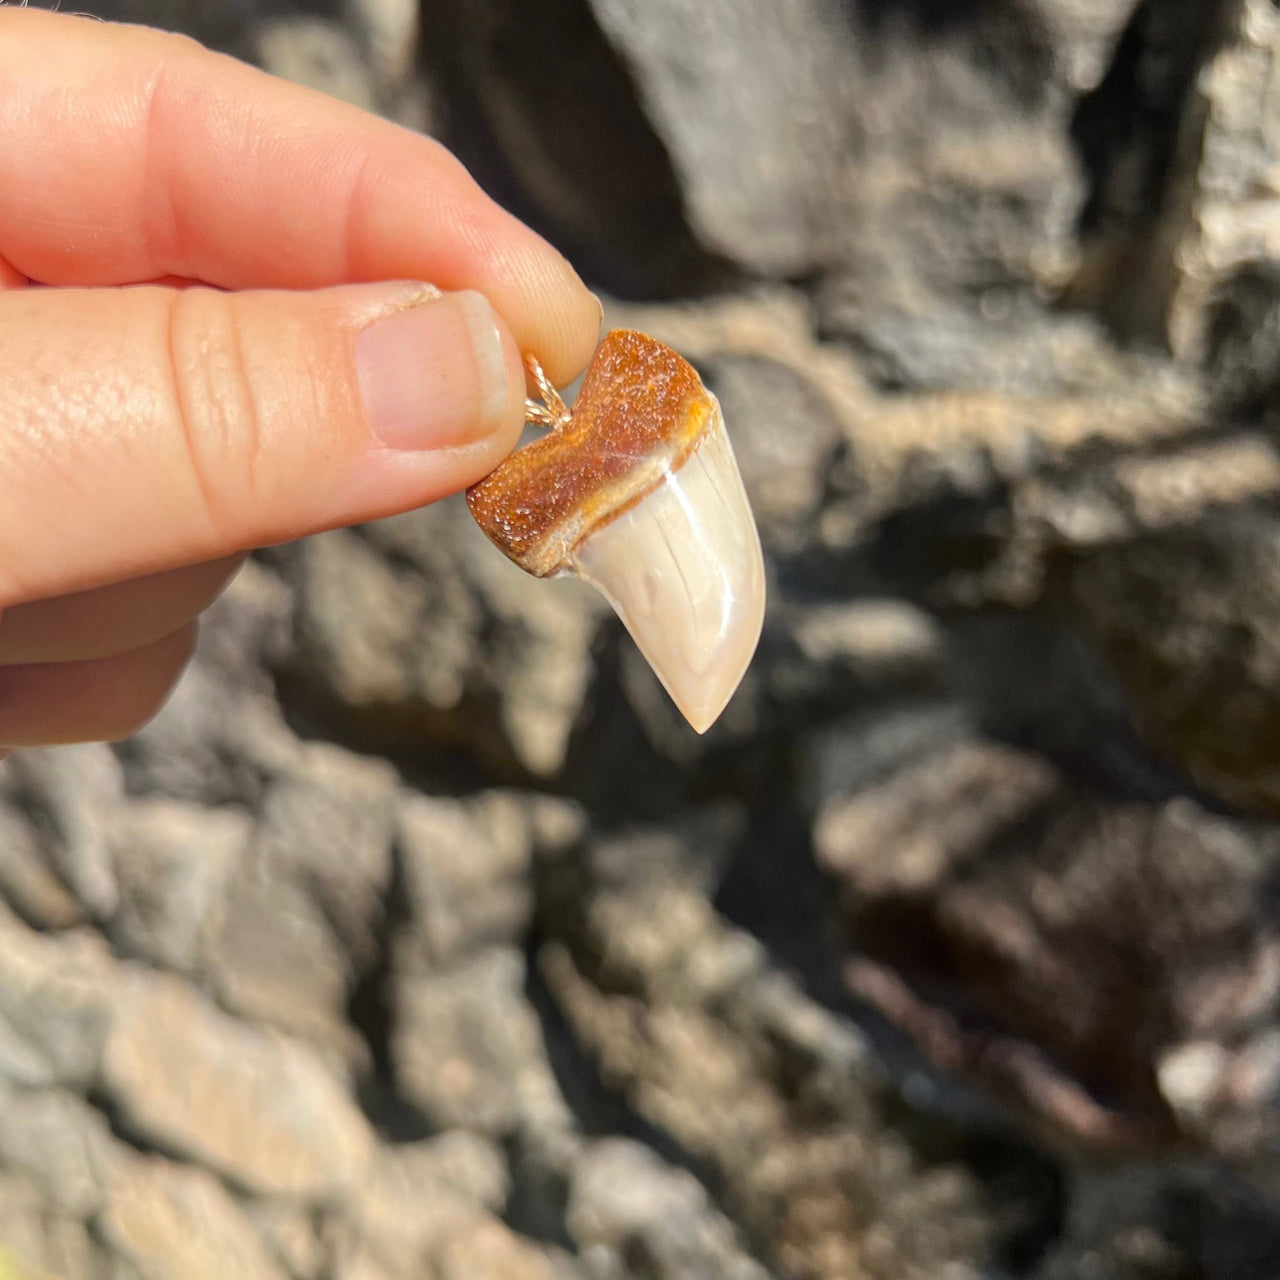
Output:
x=151 y=429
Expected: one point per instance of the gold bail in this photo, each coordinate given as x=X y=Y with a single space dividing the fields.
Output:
x=552 y=412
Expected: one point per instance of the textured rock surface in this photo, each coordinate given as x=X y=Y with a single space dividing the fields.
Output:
x=168 y=1221
x=466 y=871
x=174 y=863
x=257 y=1107
x=304 y=912
x=627 y=1210
x=438 y=637
x=419 y=939
x=56 y=1001
x=468 y=1047
x=1186 y=616
x=61 y=1145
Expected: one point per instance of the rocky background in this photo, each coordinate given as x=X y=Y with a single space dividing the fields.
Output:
x=418 y=938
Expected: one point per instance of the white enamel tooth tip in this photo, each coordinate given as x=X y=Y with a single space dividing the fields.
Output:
x=683 y=570
x=639 y=494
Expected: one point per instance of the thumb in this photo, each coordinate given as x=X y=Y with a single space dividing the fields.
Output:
x=145 y=428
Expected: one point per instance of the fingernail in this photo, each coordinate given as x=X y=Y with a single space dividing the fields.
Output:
x=434 y=376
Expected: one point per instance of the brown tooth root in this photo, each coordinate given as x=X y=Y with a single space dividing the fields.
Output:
x=640 y=411
x=637 y=492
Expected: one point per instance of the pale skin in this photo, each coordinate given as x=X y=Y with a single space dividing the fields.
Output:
x=190 y=255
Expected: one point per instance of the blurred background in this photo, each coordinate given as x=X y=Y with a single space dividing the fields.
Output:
x=419 y=939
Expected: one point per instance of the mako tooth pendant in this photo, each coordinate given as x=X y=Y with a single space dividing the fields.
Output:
x=636 y=491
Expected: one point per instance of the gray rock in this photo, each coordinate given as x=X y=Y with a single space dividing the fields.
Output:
x=222 y=733
x=785 y=435
x=361 y=51
x=468 y=1246
x=684 y=1017
x=391 y=28
x=492 y=1251
x=1224 y=1088
x=292 y=1234
x=303 y=920
x=933 y=814
x=173 y=863
x=784 y=78
x=468 y=1050
x=321 y=55
x=454 y=1163
x=629 y=1211
x=466 y=870
x=358 y=618
x=327 y=824
x=556 y=824
x=830 y=142
x=1242 y=340
x=431 y=1208
x=872 y=639
x=418 y=1200
x=27 y=880
x=56 y=1005
x=36 y=1242
x=1232 y=161
x=1006 y=344
x=851 y=753
x=258 y=1107
x=1086 y=33
x=1182 y=148
x=438 y=629
x=1186 y=616
x=1183 y=1219
x=817 y=134
x=276 y=960
x=174 y=1222
x=74 y=790
x=61 y=1145
x=1061 y=916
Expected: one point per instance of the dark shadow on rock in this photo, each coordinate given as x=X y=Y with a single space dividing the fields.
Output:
x=775 y=890
x=1242 y=354
x=539 y=106
x=1006 y=38
x=598 y=1110
x=371 y=1011
x=226 y=25
x=1128 y=132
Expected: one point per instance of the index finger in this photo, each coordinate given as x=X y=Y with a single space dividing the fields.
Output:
x=127 y=155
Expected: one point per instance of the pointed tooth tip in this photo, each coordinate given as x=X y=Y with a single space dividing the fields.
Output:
x=704 y=712
x=684 y=571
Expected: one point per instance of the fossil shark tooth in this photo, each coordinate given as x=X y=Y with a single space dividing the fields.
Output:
x=637 y=492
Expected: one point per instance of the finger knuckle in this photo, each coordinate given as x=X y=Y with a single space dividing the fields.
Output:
x=216 y=407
